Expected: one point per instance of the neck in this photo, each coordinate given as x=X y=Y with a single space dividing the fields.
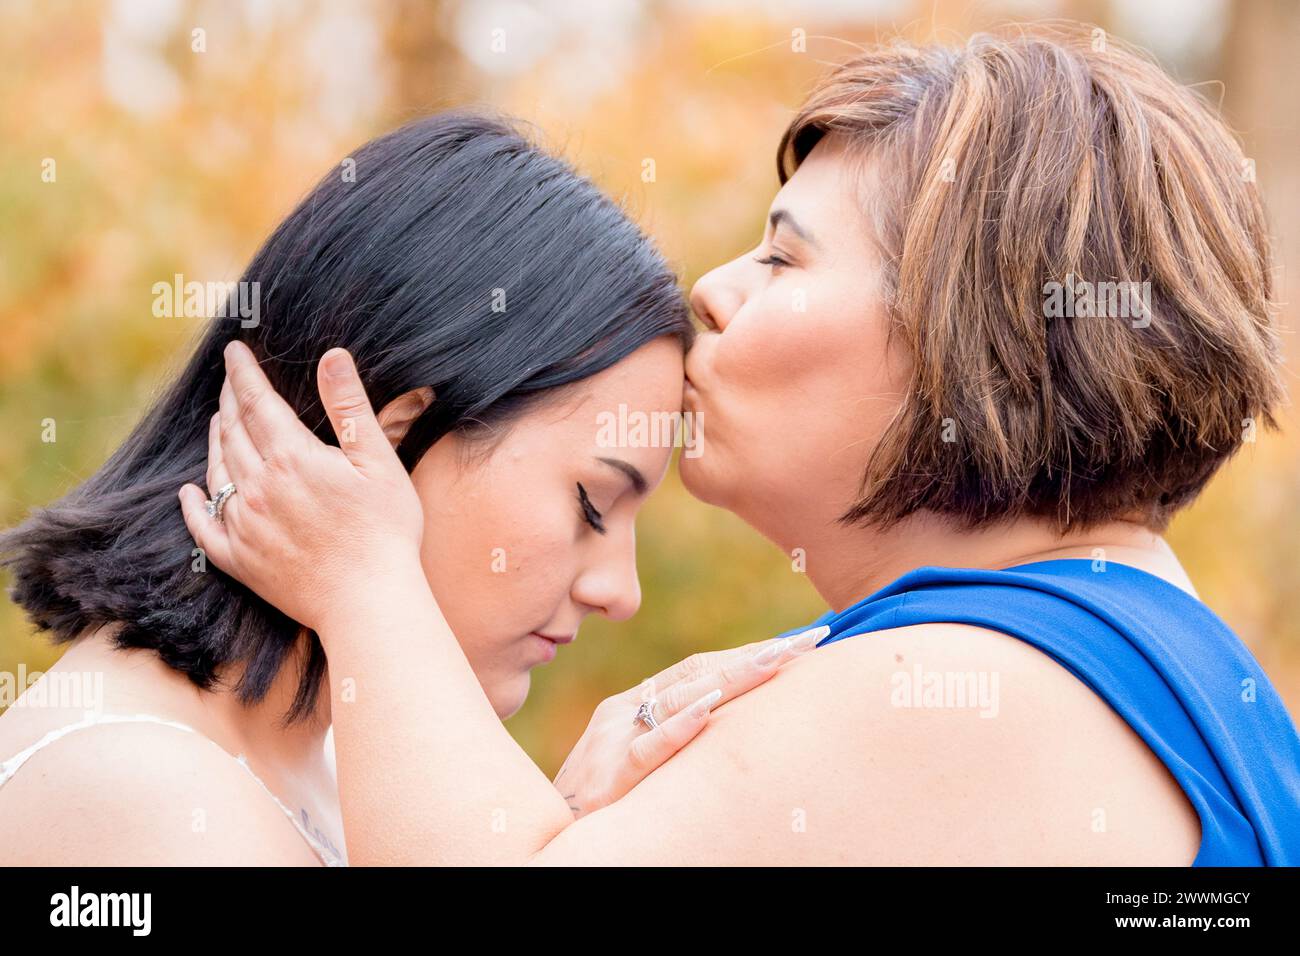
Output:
x=262 y=725
x=845 y=564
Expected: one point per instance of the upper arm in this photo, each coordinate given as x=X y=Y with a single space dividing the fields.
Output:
x=828 y=763
x=142 y=795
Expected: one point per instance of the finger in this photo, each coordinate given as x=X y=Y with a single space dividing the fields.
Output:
x=270 y=422
x=691 y=667
x=217 y=474
x=646 y=689
x=648 y=751
x=208 y=533
x=239 y=457
x=344 y=397
x=697 y=665
x=735 y=675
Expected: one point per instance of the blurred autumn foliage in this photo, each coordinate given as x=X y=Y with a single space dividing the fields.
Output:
x=179 y=132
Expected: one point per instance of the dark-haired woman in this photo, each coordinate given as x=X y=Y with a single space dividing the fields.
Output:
x=1018 y=670
x=497 y=303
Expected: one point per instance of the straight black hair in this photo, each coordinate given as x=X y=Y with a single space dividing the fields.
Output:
x=459 y=257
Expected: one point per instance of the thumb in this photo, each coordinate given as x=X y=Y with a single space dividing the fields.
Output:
x=348 y=407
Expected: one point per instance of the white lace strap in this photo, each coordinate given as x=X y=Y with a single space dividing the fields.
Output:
x=11 y=766
x=328 y=856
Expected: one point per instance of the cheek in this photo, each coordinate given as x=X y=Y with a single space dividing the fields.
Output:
x=795 y=333
x=847 y=406
x=753 y=353
x=791 y=350
x=803 y=380
x=497 y=556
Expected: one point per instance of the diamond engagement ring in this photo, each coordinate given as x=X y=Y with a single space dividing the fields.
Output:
x=645 y=714
x=215 y=505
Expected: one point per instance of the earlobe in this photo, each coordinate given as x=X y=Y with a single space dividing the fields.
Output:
x=396 y=417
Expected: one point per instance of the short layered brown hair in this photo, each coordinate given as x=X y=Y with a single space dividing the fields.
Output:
x=1024 y=159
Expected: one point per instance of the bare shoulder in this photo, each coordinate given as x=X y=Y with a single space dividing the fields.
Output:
x=141 y=794
x=933 y=744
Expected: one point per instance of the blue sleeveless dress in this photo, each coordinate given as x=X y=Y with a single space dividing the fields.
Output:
x=1162 y=659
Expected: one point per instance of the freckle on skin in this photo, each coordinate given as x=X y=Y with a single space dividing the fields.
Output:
x=898 y=658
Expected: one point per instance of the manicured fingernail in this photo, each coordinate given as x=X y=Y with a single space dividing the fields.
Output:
x=336 y=364
x=767 y=655
x=808 y=639
x=705 y=703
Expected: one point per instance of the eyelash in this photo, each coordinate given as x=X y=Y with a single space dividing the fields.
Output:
x=775 y=261
x=589 y=512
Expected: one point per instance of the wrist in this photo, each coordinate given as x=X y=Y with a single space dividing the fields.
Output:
x=393 y=584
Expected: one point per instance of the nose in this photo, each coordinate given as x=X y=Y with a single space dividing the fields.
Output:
x=610 y=584
x=716 y=296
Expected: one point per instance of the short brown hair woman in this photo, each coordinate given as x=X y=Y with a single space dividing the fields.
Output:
x=1009 y=313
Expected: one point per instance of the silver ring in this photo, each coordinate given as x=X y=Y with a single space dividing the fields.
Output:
x=645 y=714
x=215 y=505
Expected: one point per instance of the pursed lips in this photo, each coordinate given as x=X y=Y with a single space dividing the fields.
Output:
x=556 y=638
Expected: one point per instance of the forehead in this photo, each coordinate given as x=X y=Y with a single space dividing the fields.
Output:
x=828 y=194
x=645 y=387
x=649 y=379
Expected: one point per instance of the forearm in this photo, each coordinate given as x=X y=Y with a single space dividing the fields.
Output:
x=427 y=772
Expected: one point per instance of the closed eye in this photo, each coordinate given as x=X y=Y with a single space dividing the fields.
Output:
x=589 y=512
x=773 y=260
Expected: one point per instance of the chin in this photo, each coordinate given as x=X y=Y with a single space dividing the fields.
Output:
x=507 y=696
x=698 y=479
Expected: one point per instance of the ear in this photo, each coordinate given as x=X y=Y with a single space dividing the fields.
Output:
x=396 y=417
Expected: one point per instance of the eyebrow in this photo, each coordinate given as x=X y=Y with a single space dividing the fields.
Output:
x=778 y=216
x=633 y=473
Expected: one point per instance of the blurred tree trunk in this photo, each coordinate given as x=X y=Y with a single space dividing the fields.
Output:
x=1256 y=61
x=429 y=73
